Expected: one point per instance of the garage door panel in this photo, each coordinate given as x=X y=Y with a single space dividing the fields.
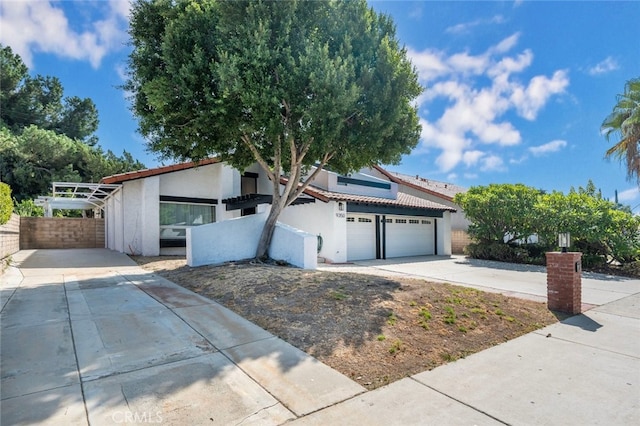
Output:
x=409 y=236
x=361 y=237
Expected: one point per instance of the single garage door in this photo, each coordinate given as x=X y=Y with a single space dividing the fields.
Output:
x=409 y=236
x=361 y=237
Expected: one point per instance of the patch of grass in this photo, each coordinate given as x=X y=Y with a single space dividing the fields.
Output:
x=337 y=295
x=395 y=347
x=510 y=319
x=448 y=357
x=499 y=312
x=413 y=303
x=462 y=329
x=477 y=310
x=425 y=314
x=381 y=338
x=392 y=318
x=450 y=317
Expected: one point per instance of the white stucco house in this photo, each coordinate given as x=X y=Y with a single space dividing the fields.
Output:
x=213 y=213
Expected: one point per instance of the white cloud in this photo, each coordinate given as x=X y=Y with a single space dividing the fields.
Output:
x=607 y=65
x=468 y=26
x=41 y=26
x=553 y=146
x=629 y=195
x=530 y=100
x=478 y=91
x=492 y=163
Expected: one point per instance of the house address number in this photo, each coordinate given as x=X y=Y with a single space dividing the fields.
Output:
x=339 y=214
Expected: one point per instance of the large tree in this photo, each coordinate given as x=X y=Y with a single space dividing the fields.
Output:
x=39 y=101
x=287 y=84
x=32 y=160
x=624 y=123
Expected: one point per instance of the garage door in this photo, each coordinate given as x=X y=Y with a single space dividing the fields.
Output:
x=409 y=236
x=361 y=237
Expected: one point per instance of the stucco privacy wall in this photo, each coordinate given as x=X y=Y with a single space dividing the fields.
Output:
x=10 y=236
x=238 y=238
x=61 y=233
x=322 y=219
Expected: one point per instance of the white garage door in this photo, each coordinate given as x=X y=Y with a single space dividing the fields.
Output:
x=361 y=237
x=409 y=236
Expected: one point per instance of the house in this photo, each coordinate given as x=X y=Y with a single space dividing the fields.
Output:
x=439 y=192
x=360 y=216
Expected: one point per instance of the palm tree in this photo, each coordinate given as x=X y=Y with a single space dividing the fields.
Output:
x=625 y=121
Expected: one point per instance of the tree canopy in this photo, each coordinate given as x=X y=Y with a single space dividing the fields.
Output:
x=31 y=160
x=45 y=139
x=624 y=123
x=504 y=216
x=38 y=101
x=287 y=84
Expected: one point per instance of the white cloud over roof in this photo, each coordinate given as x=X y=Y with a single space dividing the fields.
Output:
x=553 y=146
x=478 y=91
x=41 y=26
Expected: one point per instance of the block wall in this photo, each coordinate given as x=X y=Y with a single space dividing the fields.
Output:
x=61 y=233
x=10 y=237
x=459 y=240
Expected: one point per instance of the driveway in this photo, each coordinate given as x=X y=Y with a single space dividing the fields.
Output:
x=88 y=337
x=526 y=281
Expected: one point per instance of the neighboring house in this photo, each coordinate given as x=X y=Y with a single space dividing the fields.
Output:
x=439 y=192
x=354 y=217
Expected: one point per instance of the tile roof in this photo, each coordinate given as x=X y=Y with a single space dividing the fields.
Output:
x=430 y=186
x=402 y=200
x=139 y=174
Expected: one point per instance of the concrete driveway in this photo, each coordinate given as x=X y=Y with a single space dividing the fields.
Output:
x=88 y=337
x=525 y=281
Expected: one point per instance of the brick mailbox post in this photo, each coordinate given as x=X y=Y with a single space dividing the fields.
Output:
x=564 y=282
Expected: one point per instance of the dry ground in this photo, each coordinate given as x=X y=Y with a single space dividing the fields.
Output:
x=373 y=329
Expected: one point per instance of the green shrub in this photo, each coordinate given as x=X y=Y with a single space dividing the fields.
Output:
x=6 y=205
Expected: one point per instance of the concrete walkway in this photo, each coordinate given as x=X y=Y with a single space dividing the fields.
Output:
x=88 y=337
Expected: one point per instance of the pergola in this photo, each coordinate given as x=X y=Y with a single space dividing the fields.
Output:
x=77 y=196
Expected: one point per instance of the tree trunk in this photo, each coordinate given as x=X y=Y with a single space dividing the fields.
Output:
x=262 y=253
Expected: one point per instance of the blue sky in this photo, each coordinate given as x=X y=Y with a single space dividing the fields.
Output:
x=515 y=91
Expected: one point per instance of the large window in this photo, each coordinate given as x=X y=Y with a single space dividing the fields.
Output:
x=176 y=217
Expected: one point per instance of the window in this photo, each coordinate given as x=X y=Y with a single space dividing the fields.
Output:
x=401 y=220
x=364 y=220
x=426 y=222
x=351 y=219
x=175 y=218
x=388 y=220
x=414 y=221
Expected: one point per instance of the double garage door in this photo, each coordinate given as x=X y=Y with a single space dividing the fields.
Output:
x=399 y=236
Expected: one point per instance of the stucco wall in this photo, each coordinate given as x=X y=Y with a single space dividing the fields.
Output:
x=10 y=236
x=444 y=234
x=322 y=219
x=238 y=238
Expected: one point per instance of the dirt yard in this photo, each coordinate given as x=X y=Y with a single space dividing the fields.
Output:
x=375 y=330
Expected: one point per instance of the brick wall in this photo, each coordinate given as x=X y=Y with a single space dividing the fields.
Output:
x=61 y=233
x=459 y=240
x=10 y=237
x=564 y=282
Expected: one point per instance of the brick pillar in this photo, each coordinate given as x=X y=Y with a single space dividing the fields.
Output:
x=564 y=282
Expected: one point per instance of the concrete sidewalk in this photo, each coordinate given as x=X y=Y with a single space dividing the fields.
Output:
x=88 y=337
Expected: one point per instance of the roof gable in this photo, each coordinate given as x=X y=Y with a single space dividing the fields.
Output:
x=439 y=189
